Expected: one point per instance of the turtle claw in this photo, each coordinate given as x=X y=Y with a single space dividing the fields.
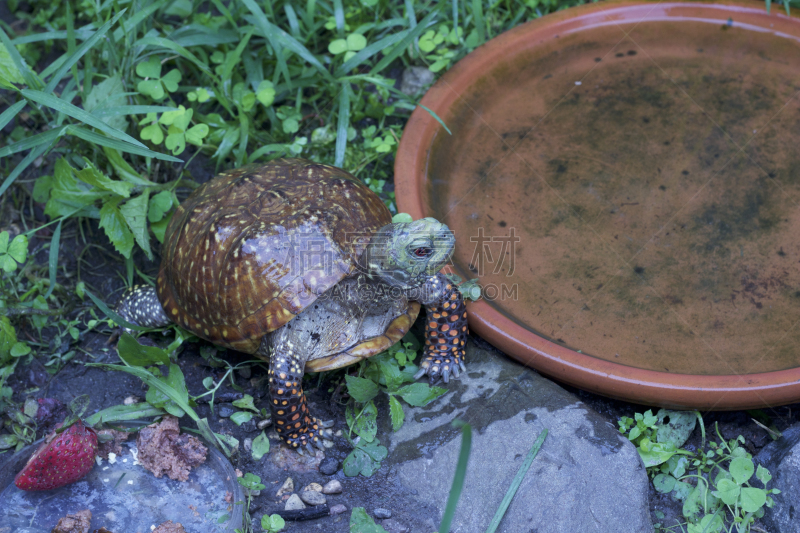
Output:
x=463 y=367
x=326 y=434
x=319 y=443
x=438 y=366
x=446 y=375
x=299 y=450
x=421 y=372
x=455 y=371
x=311 y=451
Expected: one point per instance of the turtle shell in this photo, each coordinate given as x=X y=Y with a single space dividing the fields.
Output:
x=250 y=249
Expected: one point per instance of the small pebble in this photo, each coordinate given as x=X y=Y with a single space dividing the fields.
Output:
x=130 y=400
x=294 y=503
x=245 y=372
x=382 y=513
x=286 y=488
x=338 y=433
x=263 y=424
x=248 y=444
x=338 y=509
x=329 y=466
x=327 y=443
x=333 y=486
x=313 y=487
x=313 y=497
x=226 y=411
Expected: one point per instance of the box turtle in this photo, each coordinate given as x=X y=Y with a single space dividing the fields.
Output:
x=300 y=264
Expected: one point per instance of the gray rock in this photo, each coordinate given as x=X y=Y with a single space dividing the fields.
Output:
x=415 y=79
x=333 y=486
x=312 y=497
x=381 y=513
x=782 y=459
x=248 y=444
x=586 y=477
x=393 y=526
x=329 y=466
x=263 y=424
x=338 y=509
x=294 y=503
x=225 y=410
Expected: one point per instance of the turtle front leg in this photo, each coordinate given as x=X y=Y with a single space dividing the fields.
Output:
x=290 y=415
x=140 y=306
x=445 y=330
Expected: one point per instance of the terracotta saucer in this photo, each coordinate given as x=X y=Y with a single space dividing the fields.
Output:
x=624 y=179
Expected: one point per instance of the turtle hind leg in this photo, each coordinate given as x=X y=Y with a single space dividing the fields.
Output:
x=140 y=306
x=290 y=415
x=445 y=330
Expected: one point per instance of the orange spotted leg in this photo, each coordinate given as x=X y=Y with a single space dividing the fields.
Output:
x=140 y=306
x=445 y=331
x=290 y=415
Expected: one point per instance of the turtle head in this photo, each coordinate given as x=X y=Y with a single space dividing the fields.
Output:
x=406 y=254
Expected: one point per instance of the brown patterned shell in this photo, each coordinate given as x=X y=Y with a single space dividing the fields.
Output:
x=251 y=248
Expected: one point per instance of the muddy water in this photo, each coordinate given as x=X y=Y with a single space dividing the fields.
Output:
x=653 y=183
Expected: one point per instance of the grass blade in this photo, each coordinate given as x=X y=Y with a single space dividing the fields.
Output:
x=338 y=16
x=112 y=315
x=10 y=113
x=269 y=32
x=458 y=479
x=102 y=140
x=78 y=114
x=55 y=242
x=291 y=16
x=402 y=45
x=478 y=20
x=30 y=158
x=114 y=111
x=369 y=51
x=344 y=122
x=277 y=36
x=434 y=115
x=515 y=483
x=178 y=49
x=30 y=78
x=32 y=142
x=82 y=34
x=73 y=58
x=120 y=413
x=136 y=18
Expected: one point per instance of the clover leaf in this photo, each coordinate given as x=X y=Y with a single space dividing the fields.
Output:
x=154 y=84
x=13 y=253
x=266 y=93
x=349 y=46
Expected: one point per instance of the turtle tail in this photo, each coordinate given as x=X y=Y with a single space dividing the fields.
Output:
x=140 y=306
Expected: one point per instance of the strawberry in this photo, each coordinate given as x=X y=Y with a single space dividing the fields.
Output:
x=62 y=459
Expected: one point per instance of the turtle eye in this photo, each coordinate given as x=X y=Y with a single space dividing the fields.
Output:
x=423 y=252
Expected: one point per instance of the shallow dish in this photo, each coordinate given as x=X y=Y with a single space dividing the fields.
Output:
x=124 y=497
x=624 y=179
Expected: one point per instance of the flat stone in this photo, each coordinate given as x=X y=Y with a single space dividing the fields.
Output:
x=263 y=424
x=225 y=411
x=586 y=477
x=286 y=488
x=312 y=497
x=329 y=466
x=294 y=503
x=382 y=513
x=313 y=487
x=393 y=526
x=415 y=79
x=338 y=509
x=782 y=459
x=333 y=486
